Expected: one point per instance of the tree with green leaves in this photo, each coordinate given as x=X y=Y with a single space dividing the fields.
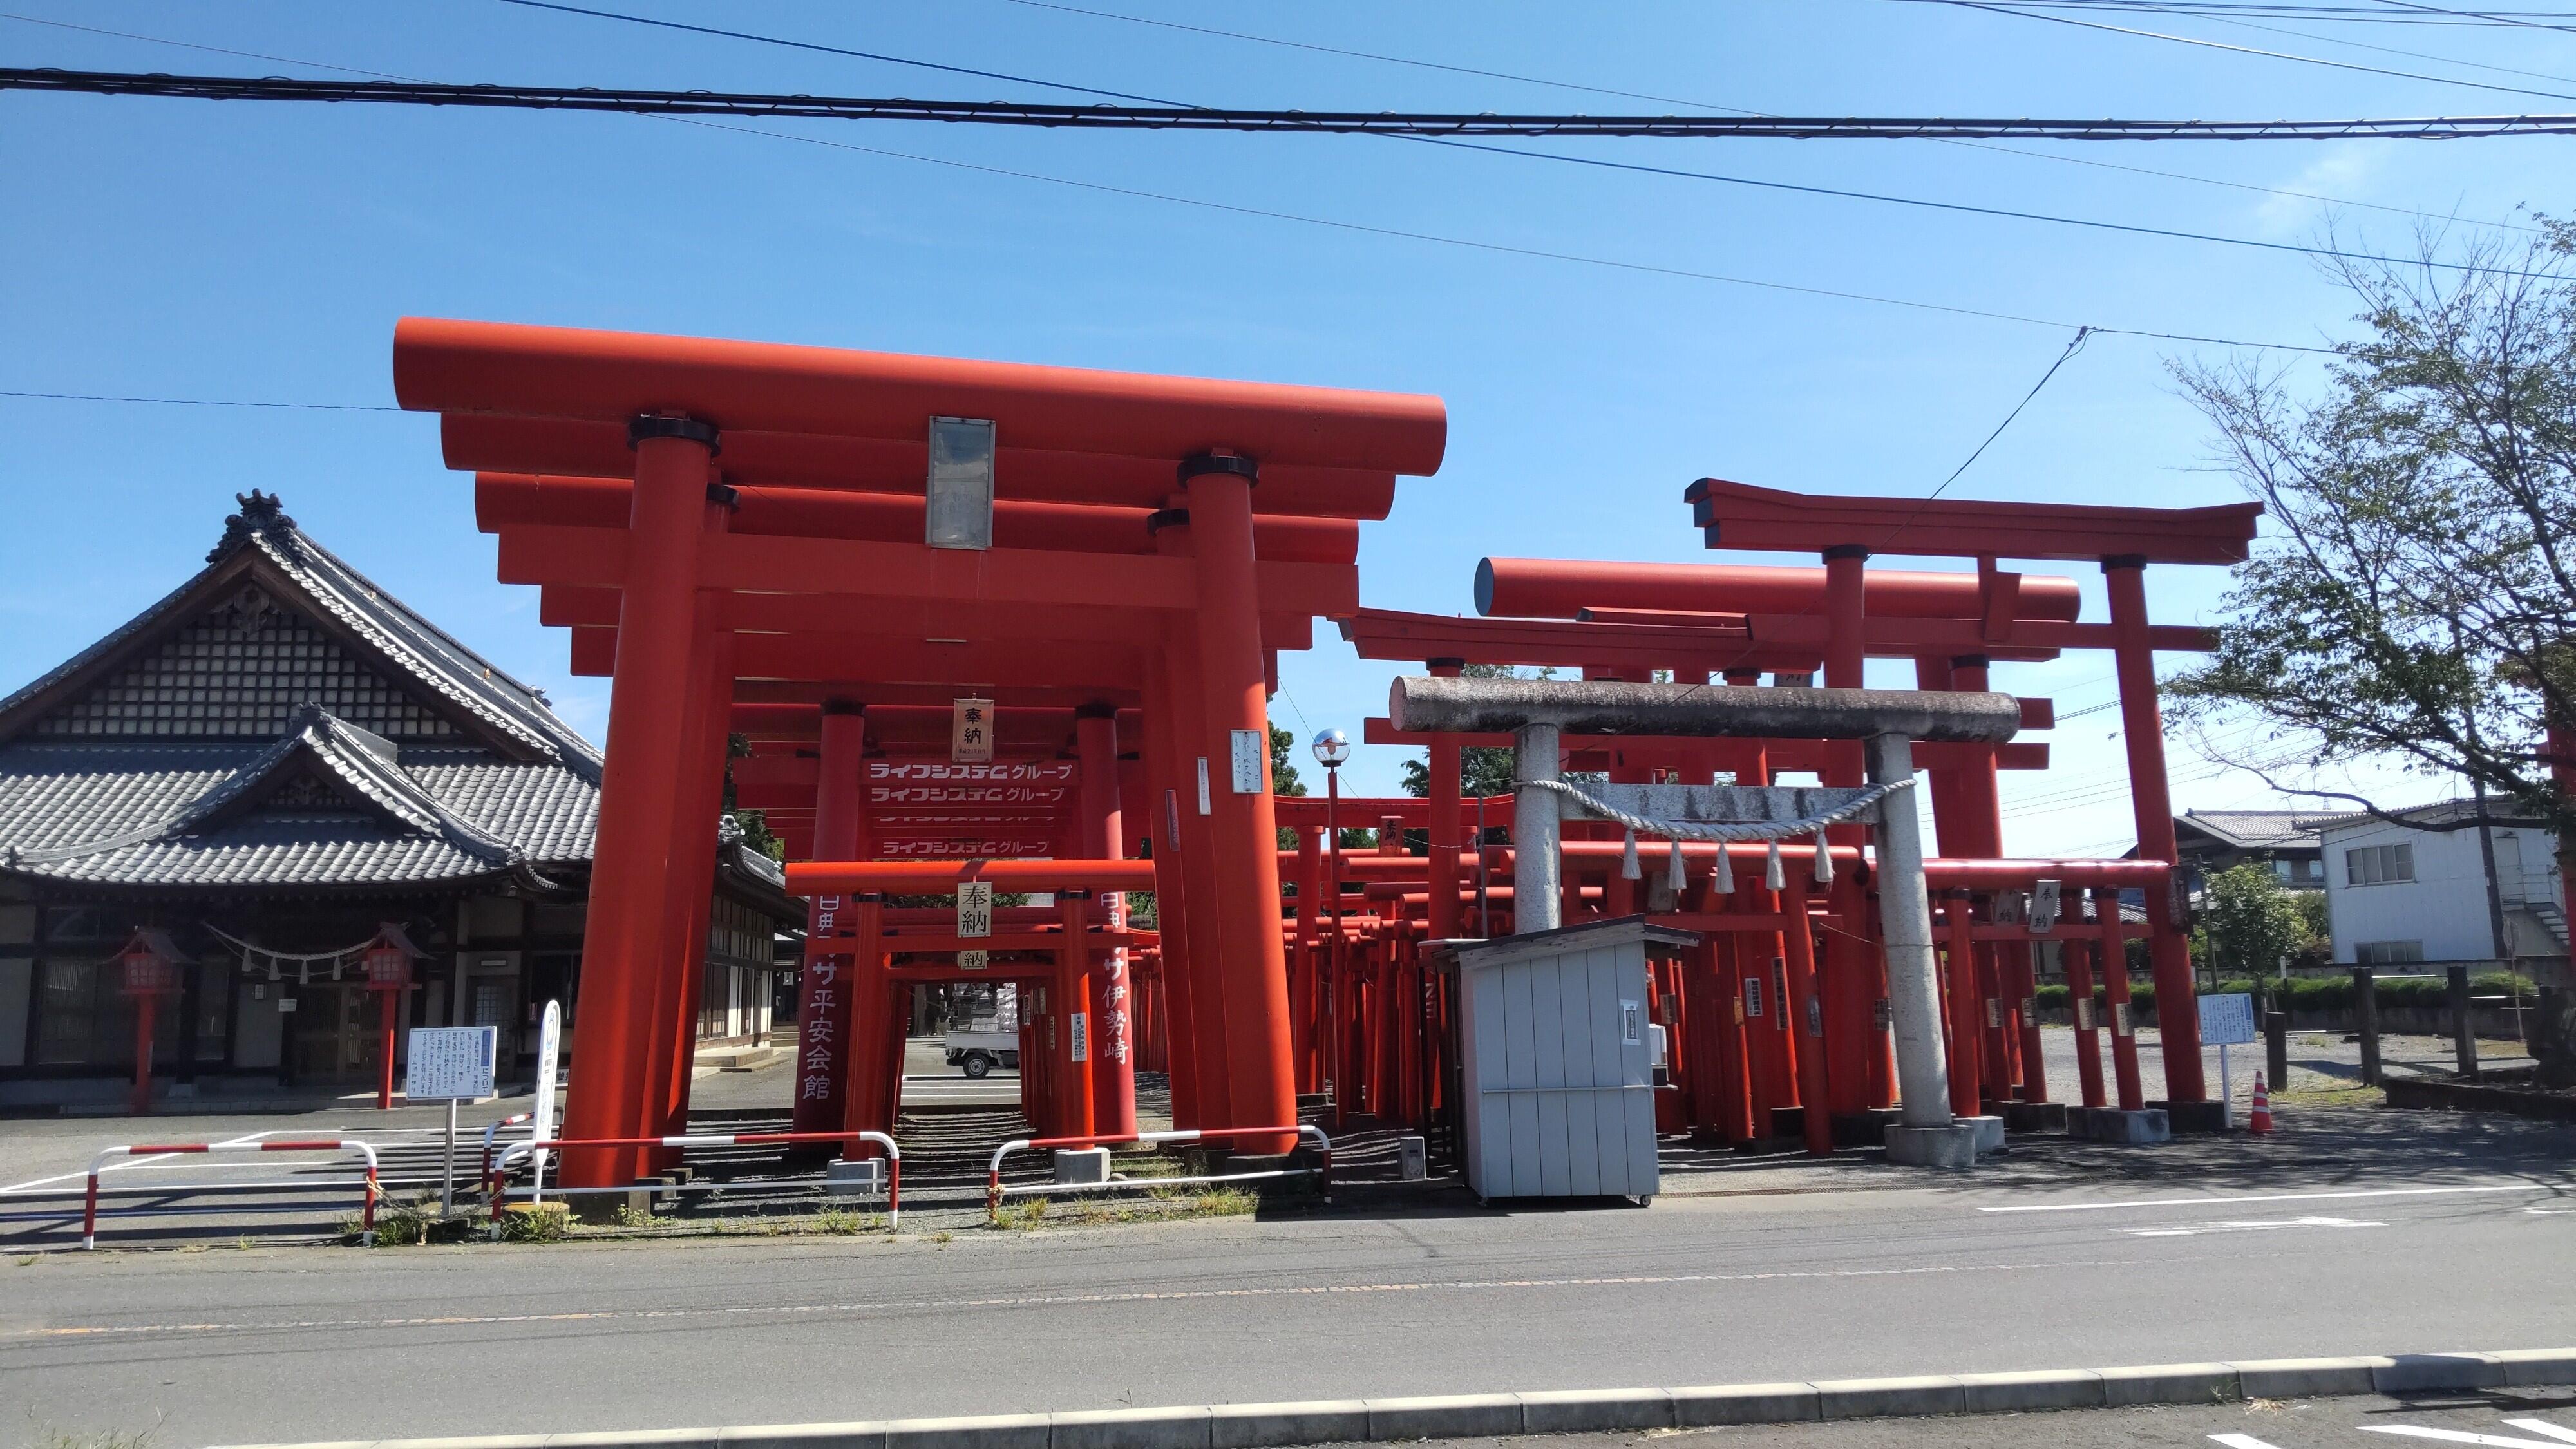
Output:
x=2253 y=923
x=2415 y=595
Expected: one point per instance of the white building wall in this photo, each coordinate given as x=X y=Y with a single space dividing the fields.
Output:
x=2445 y=906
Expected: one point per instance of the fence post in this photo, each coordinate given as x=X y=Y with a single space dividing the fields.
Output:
x=2464 y=1036
x=2276 y=1050
x=2365 y=1009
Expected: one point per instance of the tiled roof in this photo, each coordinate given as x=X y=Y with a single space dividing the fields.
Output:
x=2258 y=829
x=191 y=815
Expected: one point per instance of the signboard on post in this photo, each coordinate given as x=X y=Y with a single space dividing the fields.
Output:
x=1080 y=1044
x=2043 y=908
x=541 y=1126
x=970 y=731
x=974 y=909
x=974 y=960
x=450 y=1063
x=2227 y=1020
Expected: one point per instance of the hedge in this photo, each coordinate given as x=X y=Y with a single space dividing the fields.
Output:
x=2316 y=993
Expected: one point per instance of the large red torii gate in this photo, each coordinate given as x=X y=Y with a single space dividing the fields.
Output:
x=648 y=484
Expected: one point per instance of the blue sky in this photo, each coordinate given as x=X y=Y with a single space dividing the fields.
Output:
x=181 y=249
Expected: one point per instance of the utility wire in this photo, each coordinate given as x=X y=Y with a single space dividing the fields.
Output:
x=2072 y=347
x=1330 y=223
x=2245 y=24
x=204 y=402
x=1251 y=38
x=774 y=105
x=2428 y=15
x=2245 y=49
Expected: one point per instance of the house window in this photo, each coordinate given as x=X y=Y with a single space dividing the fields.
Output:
x=2379 y=865
x=2387 y=953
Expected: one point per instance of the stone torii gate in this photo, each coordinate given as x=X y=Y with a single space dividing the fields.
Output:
x=1538 y=712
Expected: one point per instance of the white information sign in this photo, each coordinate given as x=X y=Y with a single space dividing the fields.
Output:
x=974 y=960
x=450 y=1063
x=974 y=909
x=2227 y=1020
x=970 y=731
x=1251 y=753
x=541 y=1126
x=1079 y=1023
x=1631 y=1023
x=2043 y=908
x=1207 y=802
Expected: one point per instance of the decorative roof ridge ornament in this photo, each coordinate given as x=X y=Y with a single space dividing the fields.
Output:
x=260 y=513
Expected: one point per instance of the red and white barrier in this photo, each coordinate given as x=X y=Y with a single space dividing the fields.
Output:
x=994 y=1192
x=367 y=1214
x=497 y=1172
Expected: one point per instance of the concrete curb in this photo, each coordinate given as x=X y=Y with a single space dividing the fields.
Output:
x=1563 y=1411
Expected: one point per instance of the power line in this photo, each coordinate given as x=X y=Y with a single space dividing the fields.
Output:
x=1330 y=223
x=777 y=106
x=1384 y=59
x=2428 y=15
x=204 y=402
x=1986 y=5
x=2245 y=24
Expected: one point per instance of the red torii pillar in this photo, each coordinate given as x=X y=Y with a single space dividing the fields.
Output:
x=1244 y=839
x=1113 y=1005
x=613 y=1022
x=692 y=870
x=2143 y=728
x=1861 y=1073
x=830 y=978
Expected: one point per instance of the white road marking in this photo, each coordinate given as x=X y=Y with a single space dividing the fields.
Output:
x=35 y=1184
x=2549 y=1212
x=2460 y=1436
x=2077 y=1207
x=2543 y=1426
x=2247 y=1225
x=2240 y=1441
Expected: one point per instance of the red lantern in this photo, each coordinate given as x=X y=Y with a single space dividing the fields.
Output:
x=388 y=967
x=151 y=965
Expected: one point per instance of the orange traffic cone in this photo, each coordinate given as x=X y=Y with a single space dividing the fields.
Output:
x=2261 y=1121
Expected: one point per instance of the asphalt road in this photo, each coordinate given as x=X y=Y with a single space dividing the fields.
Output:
x=236 y=1345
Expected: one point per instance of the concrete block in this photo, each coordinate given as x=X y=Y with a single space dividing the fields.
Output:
x=863 y=1178
x=1262 y=1426
x=1713 y=1405
x=2417 y=1372
x=1890 y=1398
x=2193 y=1118
x=1444 y=1416
x=1951 y=1146
x=2290 y=1378
x=624 y=1438
x=2019 y=1393
x=1082 y=1164
x=2133 y=1129
x=2169 y=1383
x=858 y=1434
x=1176 y=1428
x=2536 y=1366
x=2035 y=1116
x=987 y=1431
x=1582 y=1411
x=604 y=1207
x=1989 y=1130
x=1864 y=1129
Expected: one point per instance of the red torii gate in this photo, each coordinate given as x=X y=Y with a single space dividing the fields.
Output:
x=704 y=598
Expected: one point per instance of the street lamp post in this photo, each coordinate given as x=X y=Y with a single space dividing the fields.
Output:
x=1332 y=747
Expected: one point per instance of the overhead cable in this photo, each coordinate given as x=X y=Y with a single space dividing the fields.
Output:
x=776 y=106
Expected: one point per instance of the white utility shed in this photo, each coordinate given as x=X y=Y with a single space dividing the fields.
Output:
x=1557 y=1076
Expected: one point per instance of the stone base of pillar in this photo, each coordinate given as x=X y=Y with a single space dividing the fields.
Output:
x=1789 y=1124
x=1865 y=1129
x=609 y=1207
x=2035 y=1116
x=1951 y=1146
x=2193 y=1117
x=1990 y=1132
x=2110 y=1124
